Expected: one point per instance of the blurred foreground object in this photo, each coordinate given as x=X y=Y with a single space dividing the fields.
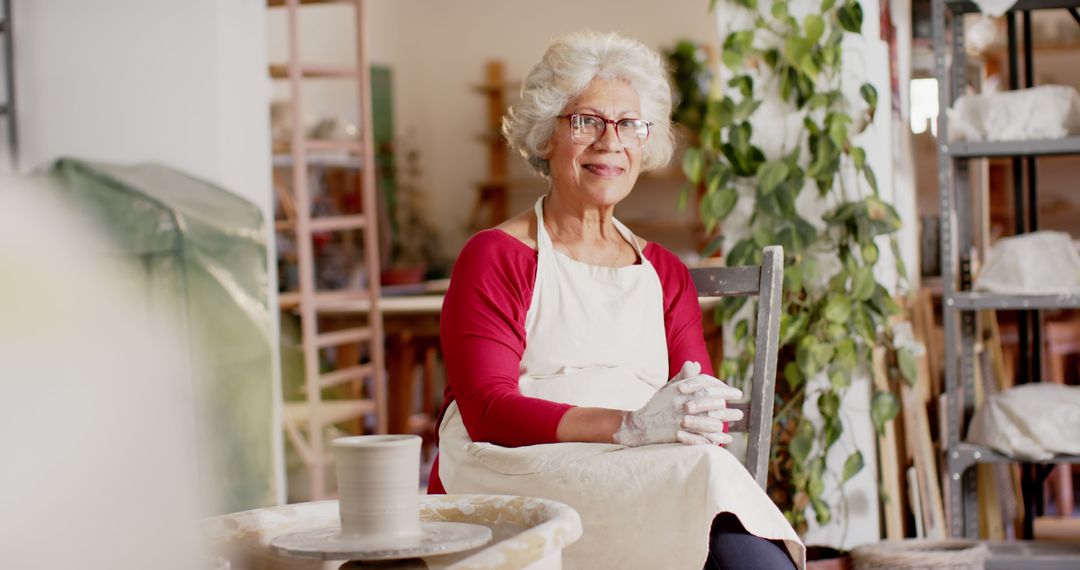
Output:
x=96 y=420
x=202 y=254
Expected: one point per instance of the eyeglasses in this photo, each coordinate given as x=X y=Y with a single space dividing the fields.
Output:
x=587 y=129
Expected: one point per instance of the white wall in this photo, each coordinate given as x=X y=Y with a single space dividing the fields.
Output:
x=179 y=83
x=437 y=50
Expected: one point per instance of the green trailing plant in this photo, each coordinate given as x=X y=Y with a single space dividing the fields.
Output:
x=833 y=313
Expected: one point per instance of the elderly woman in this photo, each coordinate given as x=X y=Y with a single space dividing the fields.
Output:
x=561 y=330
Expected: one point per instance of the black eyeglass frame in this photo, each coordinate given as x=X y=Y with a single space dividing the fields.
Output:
x=605 y=122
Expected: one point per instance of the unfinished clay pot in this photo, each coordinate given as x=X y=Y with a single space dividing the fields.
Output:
x=378 y=478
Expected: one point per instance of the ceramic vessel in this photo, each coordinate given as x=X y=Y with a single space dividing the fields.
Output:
x=378 y=479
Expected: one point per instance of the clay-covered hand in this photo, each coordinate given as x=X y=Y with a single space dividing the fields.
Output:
x=690 y=408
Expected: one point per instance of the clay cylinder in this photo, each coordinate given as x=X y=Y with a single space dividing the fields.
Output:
x=378 y=479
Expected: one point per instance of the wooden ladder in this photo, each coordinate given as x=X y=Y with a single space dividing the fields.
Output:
x=305 y=422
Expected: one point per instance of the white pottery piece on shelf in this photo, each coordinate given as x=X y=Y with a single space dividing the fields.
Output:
x=378 y=485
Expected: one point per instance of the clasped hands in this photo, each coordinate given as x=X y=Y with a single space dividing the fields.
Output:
x=691 y=408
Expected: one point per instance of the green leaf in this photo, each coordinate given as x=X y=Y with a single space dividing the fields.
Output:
x=741 y=329
x=771 y=174
x=858 y=156
x=864 y=324
x=833 y=430
x=745 y=108
x=793 y=376
x=850 y=16
x=845 y=354
x=869 y=94
x=795 y=47
x=803 y=442
x=870 y=178
x=838 y=308
x=779 y=9
x=869 y=252
x=741 y=254
x=908 y=369
x=713 y=246
x=815 y=484
x=728 y=368
x=838 y=128
x=821 y=511
x=732 y=59
x=818 y=101
x=829 y=405
x=883 y=408
x=805 y=356
x=684 y=196
x=863 y=283
x=853 y=465
x=762 y=234
x=745 y=85
x=839 y=380
x=692 y=164
x=792 y=326
x=815 y=28
x=717 y=205
x=826 y=5
x=731 y=305
x=718 y=176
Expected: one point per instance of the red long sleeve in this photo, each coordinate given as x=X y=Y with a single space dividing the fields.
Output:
x=483 y=339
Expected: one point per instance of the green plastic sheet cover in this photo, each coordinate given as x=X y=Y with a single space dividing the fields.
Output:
x=203 y=251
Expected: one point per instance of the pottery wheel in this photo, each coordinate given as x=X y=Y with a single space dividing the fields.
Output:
x=329 y=544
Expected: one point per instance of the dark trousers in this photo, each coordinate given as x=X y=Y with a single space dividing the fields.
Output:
x=731 y=547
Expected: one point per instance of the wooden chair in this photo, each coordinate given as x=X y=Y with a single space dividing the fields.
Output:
x=764 y=281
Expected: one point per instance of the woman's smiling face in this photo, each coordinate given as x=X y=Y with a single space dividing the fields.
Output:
x=604 y=172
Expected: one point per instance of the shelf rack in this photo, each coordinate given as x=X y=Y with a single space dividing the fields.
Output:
x=306 y=421
x=960 y=302
x=7 y=106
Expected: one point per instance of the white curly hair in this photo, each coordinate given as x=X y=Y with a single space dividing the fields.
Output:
x=570 y=63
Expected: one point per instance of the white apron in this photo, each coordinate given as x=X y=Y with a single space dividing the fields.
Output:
x=595 y=337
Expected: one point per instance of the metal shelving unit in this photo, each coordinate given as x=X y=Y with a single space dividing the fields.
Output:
x=7 y=106
x=960 y=303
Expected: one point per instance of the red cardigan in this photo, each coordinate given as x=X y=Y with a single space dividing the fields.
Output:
x=483 y=339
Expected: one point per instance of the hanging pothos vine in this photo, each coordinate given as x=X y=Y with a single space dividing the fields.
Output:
x=832 y=315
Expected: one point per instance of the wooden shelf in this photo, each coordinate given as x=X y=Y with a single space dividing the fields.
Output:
x=290 y=299
x=324 y=159
x=314 y=71
x=283 y=3
x=331 y=411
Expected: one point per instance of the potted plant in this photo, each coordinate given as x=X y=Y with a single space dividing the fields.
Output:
x=835 y=309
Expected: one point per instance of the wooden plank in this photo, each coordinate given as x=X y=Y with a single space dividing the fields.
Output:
x=990 y=512
x=915 y=500
x=346 y=336
x=923 y=324
x=888 y=458
x=343 y=375
x=917 y=436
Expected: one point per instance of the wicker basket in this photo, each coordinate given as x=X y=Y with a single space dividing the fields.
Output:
x=921 y=555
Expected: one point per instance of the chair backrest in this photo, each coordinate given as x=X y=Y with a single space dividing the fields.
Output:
x=764 y=281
